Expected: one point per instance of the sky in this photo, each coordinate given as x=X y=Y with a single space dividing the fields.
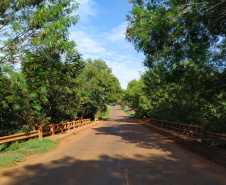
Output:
x=99 y=34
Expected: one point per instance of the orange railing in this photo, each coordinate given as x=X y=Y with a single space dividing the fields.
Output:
x=46 y=130
x=188 y=129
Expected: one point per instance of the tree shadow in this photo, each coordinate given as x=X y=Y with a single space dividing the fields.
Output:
x=134 y=134
x=109 y=170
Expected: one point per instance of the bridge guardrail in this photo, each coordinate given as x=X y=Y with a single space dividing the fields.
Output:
x=188 y=129
x=46 y=130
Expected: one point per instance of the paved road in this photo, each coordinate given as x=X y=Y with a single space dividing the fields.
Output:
x=117 y=152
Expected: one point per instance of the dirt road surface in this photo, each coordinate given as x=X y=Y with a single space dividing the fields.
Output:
x=117 y=152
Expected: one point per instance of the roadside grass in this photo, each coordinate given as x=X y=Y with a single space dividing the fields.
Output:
x=17 y=151
x=76 y=133
x=105 y=115
x=127 y=111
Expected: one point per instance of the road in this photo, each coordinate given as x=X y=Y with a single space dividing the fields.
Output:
x=116 y=152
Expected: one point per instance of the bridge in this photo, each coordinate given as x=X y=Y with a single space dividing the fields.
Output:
x=115 y=152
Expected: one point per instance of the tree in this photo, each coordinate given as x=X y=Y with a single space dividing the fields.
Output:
x=35 y=32
x=184 y=44
x=171 y=31
x=135 y=97
x=98 y=87
x=13 y=96
x=52 y=82
x=27 y=24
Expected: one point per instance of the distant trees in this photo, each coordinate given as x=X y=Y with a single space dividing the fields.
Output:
x=135 y=98
x=98 y=87
x=184 y=45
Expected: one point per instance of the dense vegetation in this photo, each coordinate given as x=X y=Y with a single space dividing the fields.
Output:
x=184 y=44
x=183 y=41
x=53 y=83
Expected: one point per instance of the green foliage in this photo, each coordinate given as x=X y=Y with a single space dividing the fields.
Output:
x=127 y=111
x=36 y=34
x=171 y=31
x=25 y=25
x=184 y=45
x=188 y=94
x=48 y=90
x=98 y=87
x=53 y=84
x=102 y=115
x=135 y=98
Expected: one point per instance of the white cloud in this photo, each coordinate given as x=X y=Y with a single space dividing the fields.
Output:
x=125 y=71
x=118 y=33
x=88 y=45
x=87 y=8
x=126 y=64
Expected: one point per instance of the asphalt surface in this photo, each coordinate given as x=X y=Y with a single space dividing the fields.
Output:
x=117 y=152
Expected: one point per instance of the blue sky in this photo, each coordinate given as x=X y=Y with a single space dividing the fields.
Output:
x=100 y=35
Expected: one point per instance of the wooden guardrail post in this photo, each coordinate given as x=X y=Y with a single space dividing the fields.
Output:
x=40 y=134
x=202 y=134
x=52 y=129
x=61 y=128
x=144 y=118
x=179 y=127
x=192 y=131
x=189 y=130
x=68 y=126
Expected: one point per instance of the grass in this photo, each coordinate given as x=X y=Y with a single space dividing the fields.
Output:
x=75 y=133
x=127 y=111
x=17 y=151
x=105 y=115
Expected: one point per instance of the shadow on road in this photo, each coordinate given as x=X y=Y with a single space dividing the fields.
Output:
x=133 y=133
x=109 y=170
x=158 y=165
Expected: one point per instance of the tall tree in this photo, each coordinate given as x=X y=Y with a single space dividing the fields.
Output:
x=54 y=82
x=35 y=32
